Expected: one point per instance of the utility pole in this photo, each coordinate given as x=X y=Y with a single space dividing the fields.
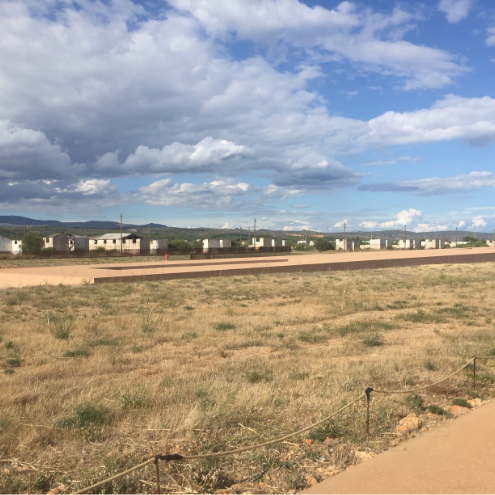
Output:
x=121 y=234
x=456 y=237
x=254 y=233
x=240 y=237
x=148 y=232
x=345 y=240
x=405 y=236
x=25 y=227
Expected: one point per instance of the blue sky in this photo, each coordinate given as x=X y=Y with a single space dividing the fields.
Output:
x=215 y=112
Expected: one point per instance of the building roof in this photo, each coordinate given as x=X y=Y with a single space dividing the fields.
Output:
x=117 y=236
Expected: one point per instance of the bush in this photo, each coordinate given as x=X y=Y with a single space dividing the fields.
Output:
x=462 y=403
x=433 y=409
x=46 y=252
x=224 y=326
x=324 y=245
x=86 y=415
x=373 y=340
x=32 y=243
x=415 y=403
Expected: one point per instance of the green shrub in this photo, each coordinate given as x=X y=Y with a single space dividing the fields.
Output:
x=77 y=353
x=32 y=243
x=61 y=326
x=13 y=362
x=134 y=399
x=414 y=402
x=433 y=409
x=462 y=403
x=224 y=326
x=9 y=345
x=258 y=376
x=86 y=415
x=330 y=429
x=312 y=338
x=323 y=244
x=46 y=252
x=430 y=366
x=373 y=339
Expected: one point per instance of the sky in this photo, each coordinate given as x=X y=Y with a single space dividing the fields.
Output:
x=301 y=114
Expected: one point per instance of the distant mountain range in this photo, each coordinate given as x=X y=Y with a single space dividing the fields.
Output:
x=92 y=224
x=18 y=221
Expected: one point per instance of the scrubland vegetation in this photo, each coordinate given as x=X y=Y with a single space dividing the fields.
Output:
x=93 y=378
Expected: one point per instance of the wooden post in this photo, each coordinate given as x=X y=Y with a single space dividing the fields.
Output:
x=121 y=234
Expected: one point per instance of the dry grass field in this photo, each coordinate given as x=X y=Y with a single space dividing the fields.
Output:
x=96 y=377
x=14 y=261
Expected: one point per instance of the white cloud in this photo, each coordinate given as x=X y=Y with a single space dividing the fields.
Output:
x=340 y=225
x=478 y=222
x=393 y=161
x=174 y=158
x=460 y=184
x=359 y=36
x=90 y=196
x=218 y=194
x=371 y=224
x=490 y=39
x=404 y=217
x=455 y=10
x=94 y=186
x=22 y=148
x=454 y=117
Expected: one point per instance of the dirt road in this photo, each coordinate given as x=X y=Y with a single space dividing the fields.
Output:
x=456 y=457
x=161 y=270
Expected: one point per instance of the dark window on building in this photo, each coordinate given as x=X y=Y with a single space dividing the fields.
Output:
x=115 y=241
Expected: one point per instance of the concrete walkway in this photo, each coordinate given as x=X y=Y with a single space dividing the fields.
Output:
x=456 y=457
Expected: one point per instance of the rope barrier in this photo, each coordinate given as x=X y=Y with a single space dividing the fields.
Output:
x=154 y=458
x=178 y=457
x=426 y=386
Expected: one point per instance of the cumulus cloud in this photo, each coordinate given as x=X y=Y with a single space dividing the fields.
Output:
x=478 y=222
x=177 y=157
x=370 y=224
x=29 y=154
x=455 y=10
x=217 y=194
x=460 y=184
x=340 y=225
x=345 y=33
x=404 y=217
x=453 y=117
x=56 y=196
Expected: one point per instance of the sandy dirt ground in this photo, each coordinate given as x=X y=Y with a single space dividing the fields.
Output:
x=456 y=457
x=88 y=274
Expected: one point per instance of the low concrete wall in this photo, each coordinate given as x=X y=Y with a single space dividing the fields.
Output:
x=317 y=267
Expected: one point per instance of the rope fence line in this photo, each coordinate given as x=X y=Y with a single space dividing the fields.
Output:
x=155 y=458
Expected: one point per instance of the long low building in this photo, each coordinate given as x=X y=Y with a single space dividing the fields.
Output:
x=264 y=242
x=129 y=243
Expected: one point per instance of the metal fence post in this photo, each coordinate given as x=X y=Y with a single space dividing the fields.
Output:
x=368 y=397
x=474 y=371
x=158 y=489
